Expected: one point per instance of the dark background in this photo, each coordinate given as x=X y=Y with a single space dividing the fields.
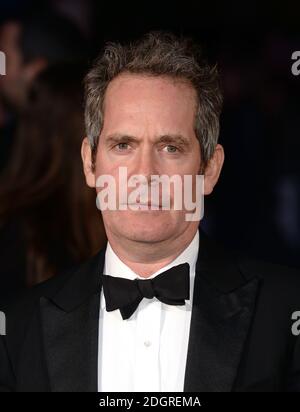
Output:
x=255 y=207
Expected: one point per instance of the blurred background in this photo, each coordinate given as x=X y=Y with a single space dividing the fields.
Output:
x=48 y=219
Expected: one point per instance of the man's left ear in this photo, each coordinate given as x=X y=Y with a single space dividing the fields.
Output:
x=213 y=169
x=86 y=155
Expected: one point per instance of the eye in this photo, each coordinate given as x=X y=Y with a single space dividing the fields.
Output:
x=122 y=146
x=171 y=149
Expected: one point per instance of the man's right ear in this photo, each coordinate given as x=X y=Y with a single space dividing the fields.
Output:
x=86 y=155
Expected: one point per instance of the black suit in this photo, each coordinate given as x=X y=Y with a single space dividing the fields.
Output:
x=240 y=335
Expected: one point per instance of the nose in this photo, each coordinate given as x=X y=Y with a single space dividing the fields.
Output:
x=145 y=164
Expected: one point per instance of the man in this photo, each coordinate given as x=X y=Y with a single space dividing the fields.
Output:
x=161 y=308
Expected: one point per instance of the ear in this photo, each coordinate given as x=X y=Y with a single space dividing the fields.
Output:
x=86 y=155
x=213 y=169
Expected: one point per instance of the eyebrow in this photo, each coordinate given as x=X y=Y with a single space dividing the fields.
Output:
x=166 y=138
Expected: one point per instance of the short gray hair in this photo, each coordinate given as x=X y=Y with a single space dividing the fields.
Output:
x=157 y=54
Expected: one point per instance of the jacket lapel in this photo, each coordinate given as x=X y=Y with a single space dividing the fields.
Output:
x=70 y=321
x=223 y=305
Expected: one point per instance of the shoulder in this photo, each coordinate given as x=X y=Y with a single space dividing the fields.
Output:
x=270 y=272
x=280 y=284
x=20 y=309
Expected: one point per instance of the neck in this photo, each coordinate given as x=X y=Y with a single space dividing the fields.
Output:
x=146 y=258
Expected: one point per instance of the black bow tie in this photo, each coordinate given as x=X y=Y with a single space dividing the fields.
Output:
x=171 y=287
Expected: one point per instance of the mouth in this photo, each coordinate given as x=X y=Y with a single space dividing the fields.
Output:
x=146 y=206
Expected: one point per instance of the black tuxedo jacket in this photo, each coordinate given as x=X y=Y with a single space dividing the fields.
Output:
x=240 y=335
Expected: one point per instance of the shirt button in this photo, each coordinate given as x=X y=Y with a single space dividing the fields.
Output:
x=147 y=343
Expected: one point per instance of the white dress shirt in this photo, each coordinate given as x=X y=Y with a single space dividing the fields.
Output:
x=148 y=351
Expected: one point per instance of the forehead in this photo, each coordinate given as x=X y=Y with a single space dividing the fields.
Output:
x=143 y=98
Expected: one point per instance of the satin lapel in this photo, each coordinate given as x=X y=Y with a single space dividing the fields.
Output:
x=70 y=331
x=220 y=323
x=218 y=332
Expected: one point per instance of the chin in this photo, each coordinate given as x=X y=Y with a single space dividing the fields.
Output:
x=144 y=228
x=150 y=236
x=140 y=226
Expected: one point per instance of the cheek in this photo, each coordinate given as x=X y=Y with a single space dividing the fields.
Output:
x=102 y=164
x=105 y=168
x=196 y=164
x=192 y=166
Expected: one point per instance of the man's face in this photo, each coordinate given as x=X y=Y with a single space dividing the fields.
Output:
x=149 y=129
